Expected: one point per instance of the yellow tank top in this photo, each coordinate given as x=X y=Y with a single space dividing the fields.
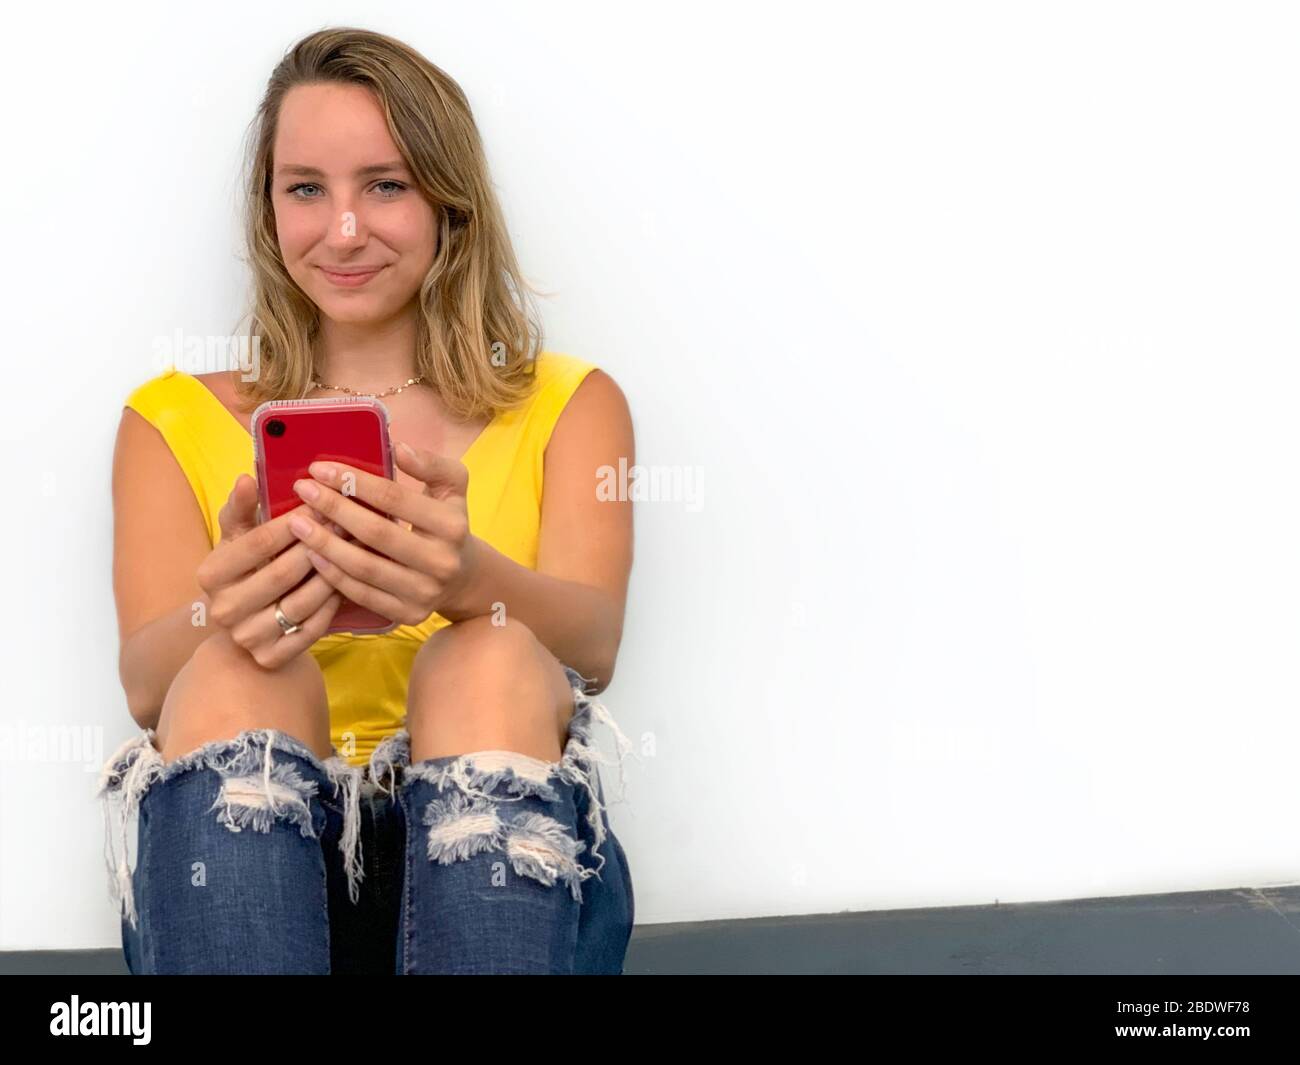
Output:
x=366 y=675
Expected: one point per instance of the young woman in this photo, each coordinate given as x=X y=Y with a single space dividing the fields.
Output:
x=426 y=800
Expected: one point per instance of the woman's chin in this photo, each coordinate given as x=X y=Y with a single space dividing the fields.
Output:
x=349 y=311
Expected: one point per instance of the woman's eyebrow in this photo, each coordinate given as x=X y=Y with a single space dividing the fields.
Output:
x=365 y=171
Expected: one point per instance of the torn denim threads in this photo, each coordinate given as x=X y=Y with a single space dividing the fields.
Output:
x=249 y=858
x=500 y=849
x=195 y=818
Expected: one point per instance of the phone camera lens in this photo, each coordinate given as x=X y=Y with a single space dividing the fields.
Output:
x=275 y=427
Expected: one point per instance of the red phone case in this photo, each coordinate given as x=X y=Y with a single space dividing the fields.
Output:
x=289 y=435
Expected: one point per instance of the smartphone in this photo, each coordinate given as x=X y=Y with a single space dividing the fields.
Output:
x=289 y=435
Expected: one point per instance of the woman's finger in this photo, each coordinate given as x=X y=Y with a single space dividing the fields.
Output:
x=276 y=653
x=434 y=562
x=435 y=522
x=240 y=511
x=249 y=551
x=443 y=478
x=363 y=593
x=261 y=626
x=238 y=601
x=423 y=510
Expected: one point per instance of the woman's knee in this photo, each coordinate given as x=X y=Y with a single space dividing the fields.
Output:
x=485 y=656
x=475 y=674
x=222 y=690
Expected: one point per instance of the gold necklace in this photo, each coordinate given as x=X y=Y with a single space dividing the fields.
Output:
x=391 y=392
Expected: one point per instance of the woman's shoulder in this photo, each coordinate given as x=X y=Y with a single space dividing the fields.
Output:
x=189 y=410
x=552 y=366
x=172 y=388
x=160 y=396
x=556 y=376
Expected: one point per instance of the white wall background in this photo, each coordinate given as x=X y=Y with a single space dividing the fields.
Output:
x=978 y=318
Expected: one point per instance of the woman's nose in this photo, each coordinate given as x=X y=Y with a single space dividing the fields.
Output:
x=347 y=228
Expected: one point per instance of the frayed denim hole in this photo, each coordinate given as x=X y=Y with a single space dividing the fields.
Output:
x=265 y=775
x=256 y=793
x=497 y=800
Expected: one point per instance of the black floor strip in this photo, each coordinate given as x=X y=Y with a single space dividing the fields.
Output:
x=1237 y=931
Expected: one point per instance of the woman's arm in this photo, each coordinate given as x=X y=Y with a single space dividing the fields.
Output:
x=574 y=602
x=159 y=539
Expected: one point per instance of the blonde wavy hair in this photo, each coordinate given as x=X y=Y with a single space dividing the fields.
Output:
x=478 y=332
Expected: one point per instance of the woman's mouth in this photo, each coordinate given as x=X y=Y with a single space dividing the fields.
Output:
x=351 y=279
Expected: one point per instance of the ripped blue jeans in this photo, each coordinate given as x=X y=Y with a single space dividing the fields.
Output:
x=254 y=856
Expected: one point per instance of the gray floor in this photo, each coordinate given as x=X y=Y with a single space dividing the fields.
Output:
x=1241 y=931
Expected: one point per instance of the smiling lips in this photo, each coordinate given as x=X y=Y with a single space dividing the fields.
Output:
x=349 y=276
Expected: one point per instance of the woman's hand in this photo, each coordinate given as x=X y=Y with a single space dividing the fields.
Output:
x=252 y=568
x=408 y=572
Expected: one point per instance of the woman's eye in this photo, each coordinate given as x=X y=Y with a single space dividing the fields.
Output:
x=397 y=187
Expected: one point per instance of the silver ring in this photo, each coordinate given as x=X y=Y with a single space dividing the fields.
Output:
x=287 y=627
